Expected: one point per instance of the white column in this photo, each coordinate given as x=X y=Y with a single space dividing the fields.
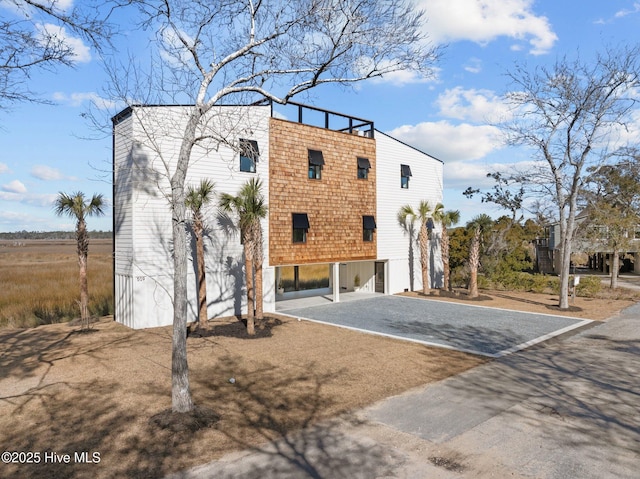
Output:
x=336 y=282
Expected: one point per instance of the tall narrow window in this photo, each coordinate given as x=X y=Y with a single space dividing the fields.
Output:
x=249 y=154
x=368 y=225
x=300 y=223
x=316 y=162
x=364 y=165
x=405 y=173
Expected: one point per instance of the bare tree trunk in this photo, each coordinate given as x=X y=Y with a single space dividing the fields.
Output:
x=423 y=240
x=474 y=261
x=615 y=267
x=181 y=399
x=565 y=267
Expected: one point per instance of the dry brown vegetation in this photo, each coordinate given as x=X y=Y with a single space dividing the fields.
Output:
x=67 y=391
x=39 y=281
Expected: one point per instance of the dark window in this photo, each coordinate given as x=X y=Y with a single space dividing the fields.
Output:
x=300 y=223
x=316 y=162
x=405 y=173
x=368 y=225
x=249 y=154
x=363 y=168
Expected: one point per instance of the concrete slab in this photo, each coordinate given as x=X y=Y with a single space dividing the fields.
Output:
x=479 y=330
x=568 y=409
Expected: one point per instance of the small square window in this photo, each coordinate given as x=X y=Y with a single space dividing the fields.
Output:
x=368 y=226
x=300 y=222
x=316 y=162
x=363 y=168
x=249 y=155
x=405 y=173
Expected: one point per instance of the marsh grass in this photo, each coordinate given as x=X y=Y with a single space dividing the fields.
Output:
x=310 y=276
x=39 y=282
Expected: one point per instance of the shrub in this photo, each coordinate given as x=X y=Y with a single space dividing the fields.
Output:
x=521 y=281
x=484 y=282
x=589 y=286
x=458 y=277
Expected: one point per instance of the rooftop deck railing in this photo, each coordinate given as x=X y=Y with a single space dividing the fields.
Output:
x=322 y=118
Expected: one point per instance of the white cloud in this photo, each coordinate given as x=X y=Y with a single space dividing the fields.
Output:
x=81 y=52
x=398 y=77
x=78 y=99
x=449 y=142
x=28 y=198
x=3 y=168
x=462 y=174
x=483 y=21
x=15 y=186
x=472 y=105
x=172 y=50
x=474 y=65
x=64 y=5
x=405 y=77
x=46 y=173
x=625 y=12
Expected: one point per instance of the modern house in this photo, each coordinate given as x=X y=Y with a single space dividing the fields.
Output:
x=333 y=183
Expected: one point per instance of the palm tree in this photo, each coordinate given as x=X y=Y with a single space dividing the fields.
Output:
x=250 y=207
x=406 y=219
x=478 y=225
x=446 y=219
x=75 y=206
x=424 y=215
x=195 y=200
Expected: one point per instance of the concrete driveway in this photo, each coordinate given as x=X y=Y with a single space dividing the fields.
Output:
x=566 y=410
x=479 y=330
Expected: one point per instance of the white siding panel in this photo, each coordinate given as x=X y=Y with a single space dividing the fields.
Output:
x=153 y=149
x=124 y=300
x=424 y=184
x=123 y=223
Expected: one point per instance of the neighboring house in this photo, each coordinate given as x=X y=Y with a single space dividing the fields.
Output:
x=599 y=259
x=333 y=190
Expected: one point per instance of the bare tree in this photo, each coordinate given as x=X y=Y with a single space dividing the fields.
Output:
x=37 y=35
x=230 y=51
x=570 y=114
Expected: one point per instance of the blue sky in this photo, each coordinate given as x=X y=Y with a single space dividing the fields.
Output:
x=45 y=147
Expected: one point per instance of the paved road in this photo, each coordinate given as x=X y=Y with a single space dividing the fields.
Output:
x=480 y=330
x=567 y=409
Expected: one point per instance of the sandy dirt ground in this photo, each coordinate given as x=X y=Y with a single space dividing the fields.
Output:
x=90 y=398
